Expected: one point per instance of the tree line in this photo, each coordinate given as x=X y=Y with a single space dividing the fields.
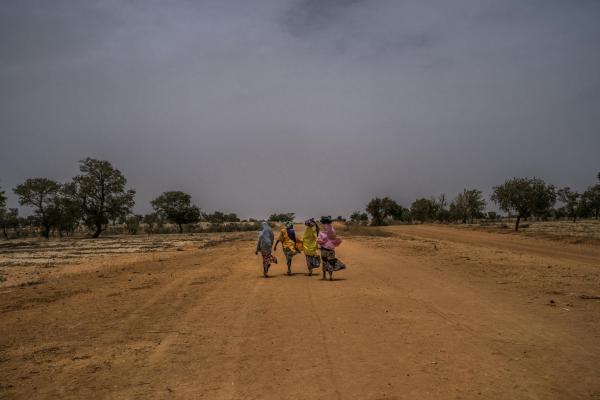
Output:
x=519 y=197
x=99 y=196
x=93 y=199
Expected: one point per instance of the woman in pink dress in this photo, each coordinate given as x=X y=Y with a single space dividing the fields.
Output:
x=328 y=241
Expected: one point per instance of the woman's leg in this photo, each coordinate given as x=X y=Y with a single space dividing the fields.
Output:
x=266 y=264
x=288 y=259
x=331 y=265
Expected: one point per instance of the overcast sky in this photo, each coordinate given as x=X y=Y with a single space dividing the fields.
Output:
x=308 y=106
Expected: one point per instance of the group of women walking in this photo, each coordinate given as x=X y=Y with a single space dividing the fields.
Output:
x=315 y=240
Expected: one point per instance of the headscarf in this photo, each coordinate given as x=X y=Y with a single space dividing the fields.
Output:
x=290 y=230
x=265 y=237
x=326 y=220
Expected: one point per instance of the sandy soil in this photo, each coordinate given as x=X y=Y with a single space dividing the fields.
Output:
x=429 y=313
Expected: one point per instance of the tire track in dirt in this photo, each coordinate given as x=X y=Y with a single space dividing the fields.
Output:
x=324 y=338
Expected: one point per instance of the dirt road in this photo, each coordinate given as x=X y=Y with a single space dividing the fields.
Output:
x=425 y=314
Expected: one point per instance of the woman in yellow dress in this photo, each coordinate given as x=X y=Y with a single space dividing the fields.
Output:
x=310 y=245
x=287 y=237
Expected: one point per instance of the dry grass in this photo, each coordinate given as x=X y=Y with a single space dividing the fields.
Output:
x=360 y=230
x=23 y=261
x=582 y=231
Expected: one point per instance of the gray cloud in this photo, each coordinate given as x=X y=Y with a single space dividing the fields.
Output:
x=307 y=106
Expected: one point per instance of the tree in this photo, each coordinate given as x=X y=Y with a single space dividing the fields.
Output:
x=458 y=209
x=359 y=218
x=100 y=191
x=133 y=223
x=492 y=215
x=9 y=220
x=525 y=196
x=2 y=201
x=570 y=199
x=64 y=211
x=282 y=217
x=4 y=214
x=467 y=205
x=381 y=209
x=219 y=217
x=443 y=214
x=590 y=200
x=177 y=208
x=39 y=193
x=151 y=220
x=232 y=217
x=423 y=209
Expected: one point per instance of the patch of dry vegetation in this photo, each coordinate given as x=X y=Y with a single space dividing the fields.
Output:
x=32 y=260
x=352 y=230
x=582 y=231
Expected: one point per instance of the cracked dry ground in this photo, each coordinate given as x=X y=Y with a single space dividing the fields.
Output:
x=428 y=313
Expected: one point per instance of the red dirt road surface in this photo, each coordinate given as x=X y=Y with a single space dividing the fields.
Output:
x=431 y=312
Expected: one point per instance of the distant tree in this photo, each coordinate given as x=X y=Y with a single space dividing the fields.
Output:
x=590 y=200
x=219 y=217
x=570 y=199
x=100 y=191
x=340 y=218
x=492 y=215
x=475 y=204
x=133 y=223
x=3 y=212
x=282 y=217
x=525 y=196
x=232 y=217
x=151 y=220
x=216 y=217
x=64 y=211
x=423 y=209
x=467 y=205
x=443 y=214
x=39 y=193
x=9 y=220
x=458 y=209
x=381 y=209
x=177 y=208
x=359 y=218
x=2 y=200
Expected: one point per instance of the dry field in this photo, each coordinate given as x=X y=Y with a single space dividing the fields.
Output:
x=583 y=231
x=422 y=312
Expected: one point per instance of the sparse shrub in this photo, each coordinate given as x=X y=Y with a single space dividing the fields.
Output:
x=133 y=224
